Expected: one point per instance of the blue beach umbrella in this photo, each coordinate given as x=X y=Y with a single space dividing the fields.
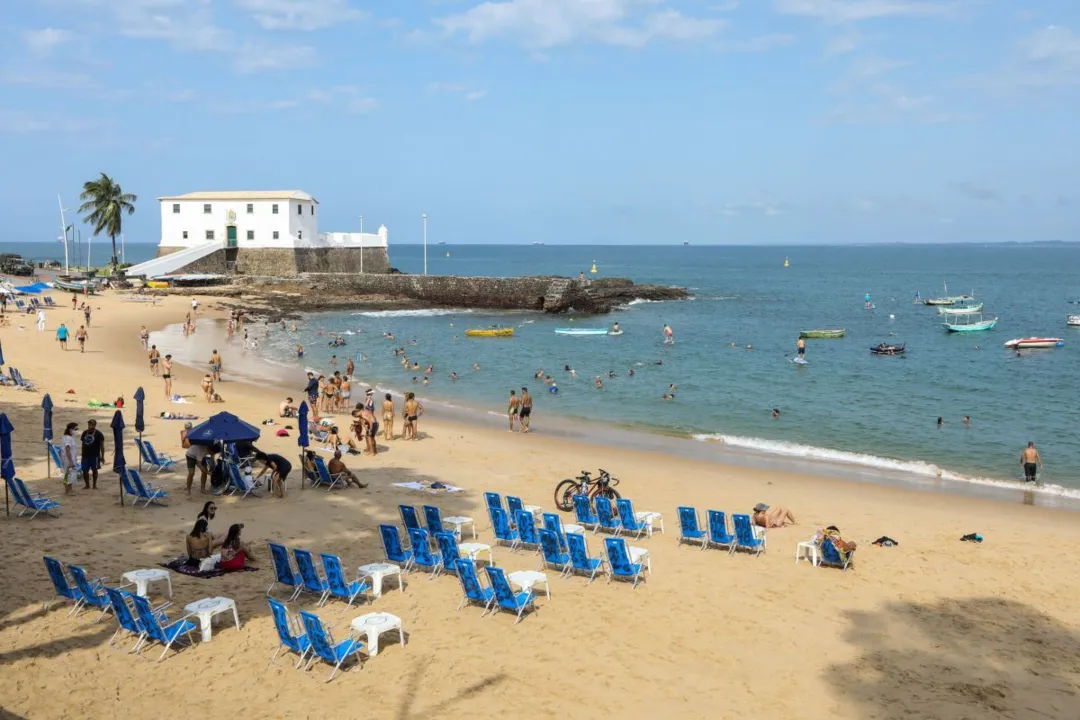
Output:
x=1 y=355
x=7 y=461
x=119 y=464
x=302 y=436
x=224 y=428
x=140 y=424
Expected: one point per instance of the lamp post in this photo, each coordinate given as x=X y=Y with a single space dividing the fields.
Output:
x=361 y=244
x=424 y=216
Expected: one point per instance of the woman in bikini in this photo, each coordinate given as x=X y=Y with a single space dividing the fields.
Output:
x=388 y=417
x=234 y=552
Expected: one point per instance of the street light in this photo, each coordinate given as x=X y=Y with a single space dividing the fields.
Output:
x=361 y=244
x=424 y=216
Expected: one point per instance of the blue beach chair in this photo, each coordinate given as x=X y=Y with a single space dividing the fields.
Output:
x=337 y=585
x=409 y=518
x=393 y=549
x=718 y=532
x=296 y=642
x=448 y=550
x=553 y=556
x=20 y=382
x=156 y=460
x=500 y=524
x=493 y=500
x=553 y=523
x=283 y=572
x=421 y=551
x=505 y=597
x=605 y=516
x=628 y=519
x=31 y=502
x=584 y=513
x=619 y=561
x=832 y=557
x=156 y=627
x=689 y=531
x=472 y=590
x=126 y=621
x=146 y=491
x=237 y=483
x=92 y=591
x=580 y=561
x=433 y=518
x=324 y=476
x=745 y=538
x=526 y=530
x=324 y=648
x=309 y=576
x=60 y=583
x=57 y=460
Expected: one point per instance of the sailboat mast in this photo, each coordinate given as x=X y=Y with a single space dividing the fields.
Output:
x=63 y=232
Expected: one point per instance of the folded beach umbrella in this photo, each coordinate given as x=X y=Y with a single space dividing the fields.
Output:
x=140 y=398
x=119 y=464
x=224 y=428
x=7 y=461
x=302 y=440
x=47 y=408
x=1 y=355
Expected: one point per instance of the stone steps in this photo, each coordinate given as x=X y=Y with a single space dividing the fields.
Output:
x=554 y=296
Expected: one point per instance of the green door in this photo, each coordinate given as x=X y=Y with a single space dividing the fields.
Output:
x=230 y=236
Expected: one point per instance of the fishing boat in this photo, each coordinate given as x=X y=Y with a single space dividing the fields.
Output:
x=960 y=309
x=76 y=285
x=886 y=349
x=1034 y=342
x=822 y=334
x=1073 y=321
x=970 y=324
x=947 y=299
x=581 y=331
x=490 y=332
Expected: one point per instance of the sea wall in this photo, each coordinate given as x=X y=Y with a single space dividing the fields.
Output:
x=287 y=262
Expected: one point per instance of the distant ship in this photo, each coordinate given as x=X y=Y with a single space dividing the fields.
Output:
x=686 y=242
x=441 y=243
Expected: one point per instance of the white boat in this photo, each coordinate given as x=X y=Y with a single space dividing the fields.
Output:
x=1073 y=321
x=960 y=310
x=581 y=331
x=1034 y=342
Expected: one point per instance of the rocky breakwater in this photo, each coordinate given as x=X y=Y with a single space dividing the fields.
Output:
x=312 y=291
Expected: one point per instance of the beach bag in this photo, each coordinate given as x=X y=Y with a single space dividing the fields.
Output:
x=71 y=475
x=208 y=564
x=217 y=476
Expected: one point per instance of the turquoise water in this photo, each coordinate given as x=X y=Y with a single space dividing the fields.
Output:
x=844 y=405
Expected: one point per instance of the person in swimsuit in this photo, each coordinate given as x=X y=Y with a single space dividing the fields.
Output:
x=369 y=401
x=525 y=413
x=234 y=552
x=166 y=375
x=200 y=543
x=1030 y=460
x=350 y=367
x=800 y=346
x=346 y=391
x=208 y=387
x=299 y=351
x=81 y=336
x=512 y=410
x=371 y=431
x=412 y=411
x=388 y=417
x=215 y=366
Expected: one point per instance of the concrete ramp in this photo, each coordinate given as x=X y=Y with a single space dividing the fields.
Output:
x=172 y=262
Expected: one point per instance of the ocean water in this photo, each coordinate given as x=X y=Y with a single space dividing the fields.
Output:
x=844 y=406
x=99 y=250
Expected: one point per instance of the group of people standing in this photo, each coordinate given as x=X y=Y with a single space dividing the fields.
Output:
x=519 y=411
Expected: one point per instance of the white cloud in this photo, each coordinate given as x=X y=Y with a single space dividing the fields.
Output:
x=363 y=105
x=1044 y=59
x=759 y=207
x=544 y=24
x=848 y=11
x=349 y=97
x=252 y=57
x=464 y=90
x=19 y=122
x=761 y=43
x=868 y=93
x=45 y=40
x=301 y=14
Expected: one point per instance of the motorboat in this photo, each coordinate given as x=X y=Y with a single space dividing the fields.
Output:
x=960 y=309
x=1034 y=342
x=581 y=331
x=1073 y=321
x=886 y=349
x=822 y=334
x=490 y=332
x=953 y=323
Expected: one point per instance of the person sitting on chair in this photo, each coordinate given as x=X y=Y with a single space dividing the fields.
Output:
x=337 y=467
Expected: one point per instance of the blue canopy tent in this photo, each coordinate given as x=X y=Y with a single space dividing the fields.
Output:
x=119 y=464
x=7 y=460
x=140 y=423
x=302 y=436
x=33 y=289
x=46 y=430
x=222 y=428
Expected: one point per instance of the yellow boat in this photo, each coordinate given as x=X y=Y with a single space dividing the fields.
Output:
x=157 y=284
x=490 y=332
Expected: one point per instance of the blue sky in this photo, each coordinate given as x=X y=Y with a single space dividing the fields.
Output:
x=583 y=121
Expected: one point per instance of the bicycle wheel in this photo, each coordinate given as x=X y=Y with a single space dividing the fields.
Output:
x=564 y=495
x=611 y=493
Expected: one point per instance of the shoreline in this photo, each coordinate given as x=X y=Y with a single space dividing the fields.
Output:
x=726 y=451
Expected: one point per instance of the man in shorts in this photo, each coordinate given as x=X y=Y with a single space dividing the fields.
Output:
x=525 y=413
x=1030 y=460
x=93 y=453
x=62 y=336
x=195 y=455
x=279 y=468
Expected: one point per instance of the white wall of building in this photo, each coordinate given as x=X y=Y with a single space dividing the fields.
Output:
x=185 y=223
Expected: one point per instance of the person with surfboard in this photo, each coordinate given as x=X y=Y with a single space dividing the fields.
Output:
x=800 y=346
x=615 y=329
x=669 y=335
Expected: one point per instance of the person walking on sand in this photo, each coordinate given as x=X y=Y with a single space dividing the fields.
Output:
x=74 y=302
x=512 y=410
x=1030 y=460
x=62 y=336
x=144 y=336
x=93 y=453
x=525 y=413
x=81 y=335
x=215 y=366
x=155 y=358
x=166 y=375
x=41 y=320
x=69 y=451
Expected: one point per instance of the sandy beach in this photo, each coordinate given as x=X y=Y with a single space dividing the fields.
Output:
x=932 y=628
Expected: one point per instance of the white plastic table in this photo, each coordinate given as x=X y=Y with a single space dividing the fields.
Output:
x=472 y=549
x=650 y=519
x=377 y=571
x=536 y=510
x=207 y=608
x=638 y=555
x=373 y=624
x=457 y=521
x=526 y=579
x=572 y=529
x=143 y=578
x=808 y=550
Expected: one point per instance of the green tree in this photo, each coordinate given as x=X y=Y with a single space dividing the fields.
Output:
x=104 y=204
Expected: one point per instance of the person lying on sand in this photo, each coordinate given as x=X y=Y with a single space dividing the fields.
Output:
x=772 y=517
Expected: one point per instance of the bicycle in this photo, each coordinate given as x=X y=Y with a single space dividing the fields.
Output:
x=585 y=485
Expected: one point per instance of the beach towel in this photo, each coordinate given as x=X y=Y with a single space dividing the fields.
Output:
x=182 y=566
x=433 y=488
x=99 y=404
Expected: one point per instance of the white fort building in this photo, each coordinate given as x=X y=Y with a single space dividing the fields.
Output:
x=257 y=232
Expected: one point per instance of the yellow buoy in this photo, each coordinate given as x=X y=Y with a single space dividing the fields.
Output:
x=786 y=263
x=593 y=271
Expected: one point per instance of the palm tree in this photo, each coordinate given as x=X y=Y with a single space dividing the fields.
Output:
x=105 y=204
